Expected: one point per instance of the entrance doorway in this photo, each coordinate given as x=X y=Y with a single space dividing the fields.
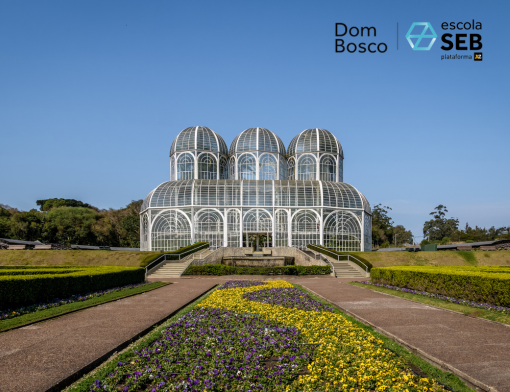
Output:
x=257 y=240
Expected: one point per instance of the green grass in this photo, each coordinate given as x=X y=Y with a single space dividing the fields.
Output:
x=61 y=310
x=414 y=361
x=101 y=372
x=486 y=314
x=469 y=256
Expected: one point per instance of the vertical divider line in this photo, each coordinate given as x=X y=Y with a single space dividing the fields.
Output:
x=397 y=35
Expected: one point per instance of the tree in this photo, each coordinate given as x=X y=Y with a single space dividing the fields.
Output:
x=382 y=225
x=439 y=227
x=48 y=204
x=70 y=225
x=402 y=236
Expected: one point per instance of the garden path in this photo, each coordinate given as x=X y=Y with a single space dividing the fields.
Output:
x=41 y=356
x=476 y=350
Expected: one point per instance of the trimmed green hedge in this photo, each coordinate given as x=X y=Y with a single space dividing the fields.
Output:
x=221 y=269
x=334 y=253
x=19 y=290
x=481 y=284
x=172 y=255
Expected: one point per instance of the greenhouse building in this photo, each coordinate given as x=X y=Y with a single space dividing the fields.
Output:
x=256 y=191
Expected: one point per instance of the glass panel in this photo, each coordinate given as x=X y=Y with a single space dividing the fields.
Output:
x=342 y=232
x=185 y=167
x=328 y=168
x=207 y=168
x=170 y=231
x=267 y=167
x=209 y=228
x=305 y=229
x=307 y=168
x=247 y=167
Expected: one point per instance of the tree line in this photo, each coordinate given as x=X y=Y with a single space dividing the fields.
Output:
x=69 y=221
x=438 y=230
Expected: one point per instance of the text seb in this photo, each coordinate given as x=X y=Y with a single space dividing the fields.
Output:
x=461 y=40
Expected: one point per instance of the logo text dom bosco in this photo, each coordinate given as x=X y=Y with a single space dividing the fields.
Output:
x=373 y=47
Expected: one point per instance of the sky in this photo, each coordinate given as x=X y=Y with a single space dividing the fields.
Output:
x=92 y=94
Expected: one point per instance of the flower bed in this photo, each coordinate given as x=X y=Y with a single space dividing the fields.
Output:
x=249 y=336
x=460 y=301
x=8 y=313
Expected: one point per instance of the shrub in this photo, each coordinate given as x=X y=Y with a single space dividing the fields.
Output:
x=221 y=269
x=334 y=254
x=486 y=284
x=38 y=285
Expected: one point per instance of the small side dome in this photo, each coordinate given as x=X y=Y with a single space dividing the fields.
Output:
x=257 y=139
x=199 y=138
x=315 y=140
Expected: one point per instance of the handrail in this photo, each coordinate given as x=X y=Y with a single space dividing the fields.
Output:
x=163 y=256
x=348 y=257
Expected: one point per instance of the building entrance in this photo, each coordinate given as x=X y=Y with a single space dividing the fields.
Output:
x=257 y=240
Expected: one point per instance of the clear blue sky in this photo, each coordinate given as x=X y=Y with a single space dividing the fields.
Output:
x=92 y=93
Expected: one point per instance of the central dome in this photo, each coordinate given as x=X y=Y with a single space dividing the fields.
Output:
x=257 y=139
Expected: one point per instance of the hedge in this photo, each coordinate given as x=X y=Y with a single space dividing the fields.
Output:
x=486 y=284
x=19 y=290
x=334 y=253
x=221 y=269
x=171 y=255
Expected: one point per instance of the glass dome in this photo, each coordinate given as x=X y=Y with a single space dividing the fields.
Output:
x=199 y=138
x=315 y=140
x=257 y=139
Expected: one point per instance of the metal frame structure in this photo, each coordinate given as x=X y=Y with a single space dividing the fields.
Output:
x=220 y=196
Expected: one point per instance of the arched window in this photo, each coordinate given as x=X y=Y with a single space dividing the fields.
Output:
x=207 y=167
x=328 y=168
x=267 y=167
x=209 y=228
x=305 y=229
x=223 y=169
x=342 y=232
x=247 y=167
x=170 y=231
x=185 y=167
x=291 y=174
x=258 y=220
x=307 y=166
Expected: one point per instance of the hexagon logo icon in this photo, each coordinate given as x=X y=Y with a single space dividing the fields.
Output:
x=427 y=33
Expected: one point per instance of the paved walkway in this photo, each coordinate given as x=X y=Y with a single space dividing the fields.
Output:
x=37 y=357
x=478 y=349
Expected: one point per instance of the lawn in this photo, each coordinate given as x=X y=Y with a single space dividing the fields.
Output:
x=63 y=309
x=439 y=258
x=74 y=257
x=465 y=309
x=265 y=336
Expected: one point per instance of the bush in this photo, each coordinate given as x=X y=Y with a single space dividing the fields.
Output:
x=334 y=254
x=486 y=284
x=38 y=285
x=221 y=269
x=172 y=255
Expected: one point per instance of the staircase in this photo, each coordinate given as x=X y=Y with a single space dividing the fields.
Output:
x=345 y=268
x=174 y=268
x=170 y=269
